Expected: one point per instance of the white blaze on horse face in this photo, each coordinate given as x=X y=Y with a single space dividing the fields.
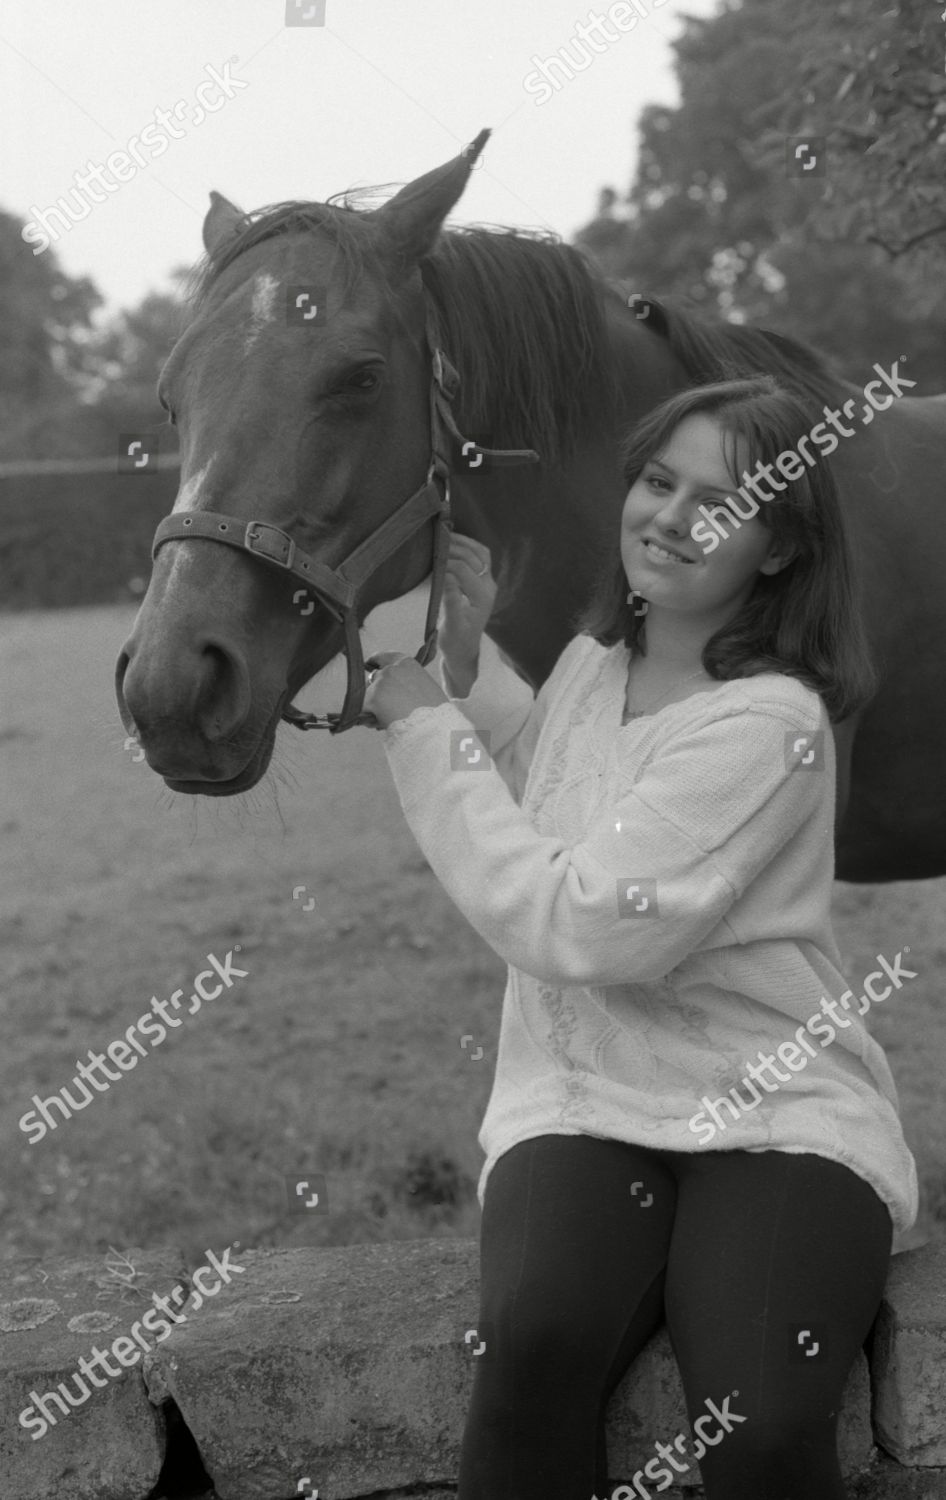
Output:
x=188 y=496
x=182 y=558
x=262 y=308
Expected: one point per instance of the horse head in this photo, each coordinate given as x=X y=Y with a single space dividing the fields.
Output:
x=300 y=390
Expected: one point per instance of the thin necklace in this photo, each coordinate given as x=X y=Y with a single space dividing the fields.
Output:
x=639 y=713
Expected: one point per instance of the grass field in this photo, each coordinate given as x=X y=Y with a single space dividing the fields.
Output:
x=340 y=1054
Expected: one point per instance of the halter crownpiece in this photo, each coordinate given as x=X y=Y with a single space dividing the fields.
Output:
x=337 y=588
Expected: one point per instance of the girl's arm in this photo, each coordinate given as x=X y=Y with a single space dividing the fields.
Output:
x=501 y=706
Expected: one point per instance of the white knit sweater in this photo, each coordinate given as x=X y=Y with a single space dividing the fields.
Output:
x=626 y=1021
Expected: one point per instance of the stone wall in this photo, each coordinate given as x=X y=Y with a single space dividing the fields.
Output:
x=346 y=1372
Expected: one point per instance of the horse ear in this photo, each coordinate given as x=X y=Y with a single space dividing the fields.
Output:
x=221 y=221
x=411 y=220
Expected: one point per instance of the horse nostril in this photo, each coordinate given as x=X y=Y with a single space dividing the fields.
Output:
x=223 y=698
x=121 y=667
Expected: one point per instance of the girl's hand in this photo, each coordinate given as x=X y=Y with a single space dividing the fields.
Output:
x=401 y=685
x=469 y=594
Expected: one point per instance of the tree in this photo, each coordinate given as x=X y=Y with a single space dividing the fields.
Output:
x=128 y=353
x=723 y=219
x=871 y=75
x=69 y=385
x=45 y=316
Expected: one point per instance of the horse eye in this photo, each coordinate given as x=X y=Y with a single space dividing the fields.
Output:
x=363 y=381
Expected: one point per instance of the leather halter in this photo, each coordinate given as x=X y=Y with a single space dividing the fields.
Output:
x=337 y=588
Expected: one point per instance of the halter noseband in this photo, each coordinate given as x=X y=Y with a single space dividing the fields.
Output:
x=337 y=588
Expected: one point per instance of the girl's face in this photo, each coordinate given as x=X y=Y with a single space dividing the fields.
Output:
x=662 y=506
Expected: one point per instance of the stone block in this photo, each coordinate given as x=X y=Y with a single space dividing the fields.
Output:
x=885 y=1479
x=345 y=1365
x=909 y=1359
x=110 y=1445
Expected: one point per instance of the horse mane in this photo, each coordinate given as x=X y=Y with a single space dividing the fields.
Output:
x=521 y=316
x=732 y=351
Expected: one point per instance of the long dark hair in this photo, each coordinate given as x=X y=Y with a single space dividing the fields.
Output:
x=805 y=620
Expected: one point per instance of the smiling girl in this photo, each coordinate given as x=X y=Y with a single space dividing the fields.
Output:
x=649 y=846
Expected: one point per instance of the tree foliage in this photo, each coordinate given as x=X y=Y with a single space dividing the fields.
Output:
x=46 y=317
x=874 y=83
x=71 y=382
x=722 y=217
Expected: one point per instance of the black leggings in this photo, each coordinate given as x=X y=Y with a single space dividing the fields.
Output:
x=752 y=1258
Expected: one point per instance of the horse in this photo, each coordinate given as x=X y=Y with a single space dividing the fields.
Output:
x=315 y=384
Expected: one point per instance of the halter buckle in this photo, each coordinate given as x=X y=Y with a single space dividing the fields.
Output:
x=285 y=548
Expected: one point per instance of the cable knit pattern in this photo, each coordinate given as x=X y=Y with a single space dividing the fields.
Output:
x=620 y=1026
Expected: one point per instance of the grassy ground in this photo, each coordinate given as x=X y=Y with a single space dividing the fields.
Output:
x=340 y=1054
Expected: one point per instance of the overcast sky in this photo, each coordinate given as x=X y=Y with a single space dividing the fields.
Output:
x=380 y=92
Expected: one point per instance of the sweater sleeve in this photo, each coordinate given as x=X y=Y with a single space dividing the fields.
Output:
x=505 y=712
x=684 y=836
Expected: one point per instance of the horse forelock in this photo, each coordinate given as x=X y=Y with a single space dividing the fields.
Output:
x=355 y=247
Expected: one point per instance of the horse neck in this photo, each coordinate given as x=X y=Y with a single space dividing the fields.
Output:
x=648 y=369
